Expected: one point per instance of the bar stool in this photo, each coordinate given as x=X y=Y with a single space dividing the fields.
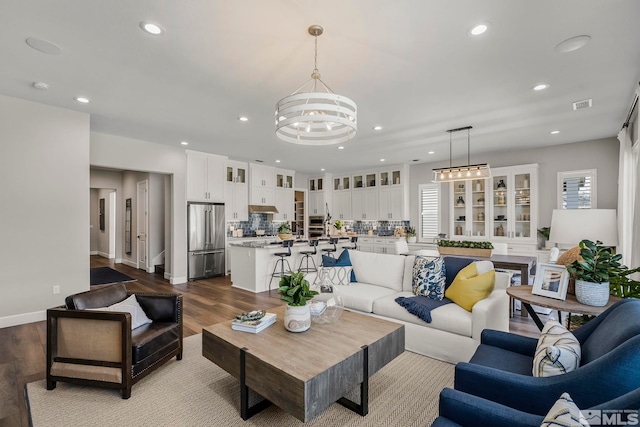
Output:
x=329 y=251
x=283 y=258
x=353 y=245
x=308 y=255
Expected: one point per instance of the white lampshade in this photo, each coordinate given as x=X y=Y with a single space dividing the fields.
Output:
x=570 y=226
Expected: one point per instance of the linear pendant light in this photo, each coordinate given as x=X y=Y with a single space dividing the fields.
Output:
x=310 y=117
x=461 y=173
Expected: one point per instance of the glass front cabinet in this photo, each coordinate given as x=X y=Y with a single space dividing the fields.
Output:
x=501 y=208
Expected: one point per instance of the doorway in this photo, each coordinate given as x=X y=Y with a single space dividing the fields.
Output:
x=143 y=223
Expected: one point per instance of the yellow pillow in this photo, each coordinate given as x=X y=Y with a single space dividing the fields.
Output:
x=468 y=287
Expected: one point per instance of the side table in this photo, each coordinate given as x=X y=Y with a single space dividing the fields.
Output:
x=569 y=305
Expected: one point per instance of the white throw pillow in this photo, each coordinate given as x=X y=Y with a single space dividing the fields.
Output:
x=129 y=305
x=337 y=275
x=564 y=413
x=557 y=352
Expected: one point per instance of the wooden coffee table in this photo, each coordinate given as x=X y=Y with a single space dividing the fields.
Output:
x=304 y=373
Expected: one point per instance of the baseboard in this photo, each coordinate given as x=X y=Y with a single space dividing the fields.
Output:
x=93 y=252
x=129 y=263
x=21 y=319
x=118 y=261
x=103 y=254
x=177 y=280
x=167 y=276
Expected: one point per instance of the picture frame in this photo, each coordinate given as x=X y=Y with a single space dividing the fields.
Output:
x=102 y=214
x=551 y=281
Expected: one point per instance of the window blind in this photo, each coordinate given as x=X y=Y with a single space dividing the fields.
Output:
x=429 y=200
x=577 y=192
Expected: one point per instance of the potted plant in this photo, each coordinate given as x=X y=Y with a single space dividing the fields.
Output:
x=294 y=290
x=594 y=271
x=338 y=226
x=284 y=231
x=465 y=247
x=543 y=234
x=411 y=235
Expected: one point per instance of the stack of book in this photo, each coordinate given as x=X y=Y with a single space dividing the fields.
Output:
x=254 y=326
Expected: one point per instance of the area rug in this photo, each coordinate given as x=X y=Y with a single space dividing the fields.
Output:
x=195 y=392
x=107 y=275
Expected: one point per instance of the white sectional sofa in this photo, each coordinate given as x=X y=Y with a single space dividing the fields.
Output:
x=453 y=334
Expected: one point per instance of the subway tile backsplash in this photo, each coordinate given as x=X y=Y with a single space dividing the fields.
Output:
x=262 y=222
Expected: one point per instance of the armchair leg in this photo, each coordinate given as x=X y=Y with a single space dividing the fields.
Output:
x=126 y=392
x=51 y=385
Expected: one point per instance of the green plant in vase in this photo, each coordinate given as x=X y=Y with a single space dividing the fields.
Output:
x=594 y=271
x=284 y=231
x=295 y=291
x=411 y=234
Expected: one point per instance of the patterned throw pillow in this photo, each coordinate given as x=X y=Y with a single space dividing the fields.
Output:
x=337 y=275
x=429 y=277
x=557 y=352
x=564 y=413
x=131 y=306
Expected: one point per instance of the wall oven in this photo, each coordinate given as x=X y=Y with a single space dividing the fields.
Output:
x=316 y=226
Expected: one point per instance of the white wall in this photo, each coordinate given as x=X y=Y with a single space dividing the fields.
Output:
x=94 y=220
x=44 y=208
x=116 y=152
x=103 y=235
x=111 y=180
x=601 y=154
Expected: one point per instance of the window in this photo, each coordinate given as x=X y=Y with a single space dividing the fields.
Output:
x=429 y=204
x=577 y=189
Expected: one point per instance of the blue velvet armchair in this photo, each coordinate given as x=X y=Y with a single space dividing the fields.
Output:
x=458 y=409
x=501 y=368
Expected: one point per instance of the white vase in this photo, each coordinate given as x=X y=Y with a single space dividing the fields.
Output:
x=297 y=318
x=594 y=294
x=412 y=239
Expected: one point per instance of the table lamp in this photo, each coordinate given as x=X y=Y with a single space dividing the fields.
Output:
x=570 y=226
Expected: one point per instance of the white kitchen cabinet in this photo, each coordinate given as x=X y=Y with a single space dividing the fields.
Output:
x=284 y=178
x=365 y=244
x=262 y=196
x=236 y=189
x=342 y=205
x=262 y=176
x=285 y=203
x=205 y=177
x=320 y=195
x=392 y=204
x=364 y=204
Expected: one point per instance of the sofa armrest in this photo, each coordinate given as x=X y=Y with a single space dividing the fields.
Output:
x=161 y=307
x=469 y=410
x=508 y=341
x=490 y=313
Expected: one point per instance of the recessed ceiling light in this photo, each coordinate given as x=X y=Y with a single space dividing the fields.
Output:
x=152 y=28
x=243 y=118
x=82 y=99
x=341 y=148
x=40 y=85
x=574 y=43
x=554 y=132
x=184 y=143
x=44 y=46
x=478 y=29
x=322 y=170
x=431 y=152
x=277 y=161
x=377 y=127
x=382 y=160
x=540 y=86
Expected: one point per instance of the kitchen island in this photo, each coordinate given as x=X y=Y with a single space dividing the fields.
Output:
x=252 y=262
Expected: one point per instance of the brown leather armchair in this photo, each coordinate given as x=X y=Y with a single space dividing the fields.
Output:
x=99 y=348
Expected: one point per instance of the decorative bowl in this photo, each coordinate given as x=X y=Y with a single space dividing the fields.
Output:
x=285 y=236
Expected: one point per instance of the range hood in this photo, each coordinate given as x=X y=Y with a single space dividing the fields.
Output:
x=262 y=209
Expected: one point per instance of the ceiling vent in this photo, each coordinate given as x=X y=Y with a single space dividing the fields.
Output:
x=585 y=103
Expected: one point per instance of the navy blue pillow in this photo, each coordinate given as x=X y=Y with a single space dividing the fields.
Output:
x=342 y=261
x=453 y=265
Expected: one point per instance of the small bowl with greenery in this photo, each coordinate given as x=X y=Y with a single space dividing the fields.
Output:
x=284 y=231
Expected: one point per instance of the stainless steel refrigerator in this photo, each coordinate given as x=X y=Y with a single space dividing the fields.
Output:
x=206 y=227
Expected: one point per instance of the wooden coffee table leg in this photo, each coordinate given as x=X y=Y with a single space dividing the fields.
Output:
x=361 y=408
x=247 y=411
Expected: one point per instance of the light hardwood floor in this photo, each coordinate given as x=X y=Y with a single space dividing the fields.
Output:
x=206 y=302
